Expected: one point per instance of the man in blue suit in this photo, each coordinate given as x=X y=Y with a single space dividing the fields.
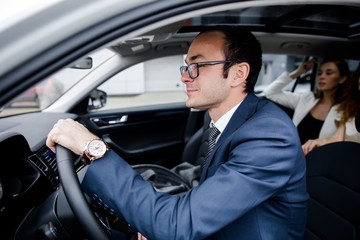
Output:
x=252 y=184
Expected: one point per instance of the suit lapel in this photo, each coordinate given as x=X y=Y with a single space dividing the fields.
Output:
x=246 y=109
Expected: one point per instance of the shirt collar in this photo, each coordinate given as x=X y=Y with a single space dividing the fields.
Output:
x=224 y=120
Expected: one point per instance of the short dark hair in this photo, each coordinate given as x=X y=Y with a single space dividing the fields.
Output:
x=241 y=46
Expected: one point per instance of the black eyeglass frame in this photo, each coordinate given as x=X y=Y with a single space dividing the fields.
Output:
x=196 y=66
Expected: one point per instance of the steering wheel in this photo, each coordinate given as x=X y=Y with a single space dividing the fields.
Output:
x=75 y=197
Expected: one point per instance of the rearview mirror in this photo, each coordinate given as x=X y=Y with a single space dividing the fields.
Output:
x=84 y=63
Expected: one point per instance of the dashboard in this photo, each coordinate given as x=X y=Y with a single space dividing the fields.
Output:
x=28 y=170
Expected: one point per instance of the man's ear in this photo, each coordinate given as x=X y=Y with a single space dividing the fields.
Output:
x=241 y=73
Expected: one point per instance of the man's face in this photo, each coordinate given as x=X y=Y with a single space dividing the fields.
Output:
x=209 y=89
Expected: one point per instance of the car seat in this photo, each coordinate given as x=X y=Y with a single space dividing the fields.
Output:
x=185 y=175
x=196 y=147
x=333 y=183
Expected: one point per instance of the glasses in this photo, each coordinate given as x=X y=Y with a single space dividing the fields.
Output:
x=193 y=69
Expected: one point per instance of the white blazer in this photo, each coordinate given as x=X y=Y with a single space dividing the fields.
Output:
x=301 y=103
x=351 y=133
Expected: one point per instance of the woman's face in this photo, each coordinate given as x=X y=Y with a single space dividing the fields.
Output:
x=328 y=77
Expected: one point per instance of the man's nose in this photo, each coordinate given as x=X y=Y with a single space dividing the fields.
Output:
x=186 y=77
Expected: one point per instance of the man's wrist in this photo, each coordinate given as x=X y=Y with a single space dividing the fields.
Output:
x=94 y=149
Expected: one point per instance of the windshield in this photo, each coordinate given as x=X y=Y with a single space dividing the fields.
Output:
x=52 y=88
x=46 y=92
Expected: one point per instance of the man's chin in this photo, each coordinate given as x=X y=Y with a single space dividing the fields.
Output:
x=195 y=106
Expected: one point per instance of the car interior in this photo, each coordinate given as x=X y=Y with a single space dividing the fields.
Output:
x=35 y=197
x=333 y=187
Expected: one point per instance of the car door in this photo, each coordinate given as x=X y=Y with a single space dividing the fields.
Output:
x=150 y=134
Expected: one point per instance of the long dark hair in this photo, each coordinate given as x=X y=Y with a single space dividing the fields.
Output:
x=351 y=103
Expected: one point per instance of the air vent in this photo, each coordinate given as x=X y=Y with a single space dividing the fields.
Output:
x=45 y=161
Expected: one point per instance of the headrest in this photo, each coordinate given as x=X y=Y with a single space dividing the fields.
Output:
x=357 y=121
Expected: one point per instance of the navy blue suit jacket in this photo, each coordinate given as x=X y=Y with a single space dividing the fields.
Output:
x=252 y=186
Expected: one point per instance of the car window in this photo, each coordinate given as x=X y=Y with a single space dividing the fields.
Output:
x=158 y=81
x=152 y=82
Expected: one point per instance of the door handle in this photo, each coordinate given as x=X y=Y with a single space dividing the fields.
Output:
x=122 y=119
x=109 y=121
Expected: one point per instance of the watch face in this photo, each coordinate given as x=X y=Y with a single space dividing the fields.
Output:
x=97 y=148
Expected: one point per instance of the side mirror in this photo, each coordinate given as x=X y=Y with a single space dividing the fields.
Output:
x=97 y=99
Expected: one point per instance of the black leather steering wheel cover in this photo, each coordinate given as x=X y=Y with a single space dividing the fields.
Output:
x=75 y=196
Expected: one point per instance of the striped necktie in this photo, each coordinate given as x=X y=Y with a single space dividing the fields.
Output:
x=214 y=133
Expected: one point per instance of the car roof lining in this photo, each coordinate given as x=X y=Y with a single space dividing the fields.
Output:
x=311 y=19
x=276 y=34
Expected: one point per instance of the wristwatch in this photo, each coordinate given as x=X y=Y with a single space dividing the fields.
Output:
x=94 y=149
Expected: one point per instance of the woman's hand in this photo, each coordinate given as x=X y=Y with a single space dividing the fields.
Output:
x=313 y=143
x=303 y=68
x=338 y=136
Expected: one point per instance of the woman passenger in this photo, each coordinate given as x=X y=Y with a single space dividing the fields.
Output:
x=346 y=124
x=314 y=112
